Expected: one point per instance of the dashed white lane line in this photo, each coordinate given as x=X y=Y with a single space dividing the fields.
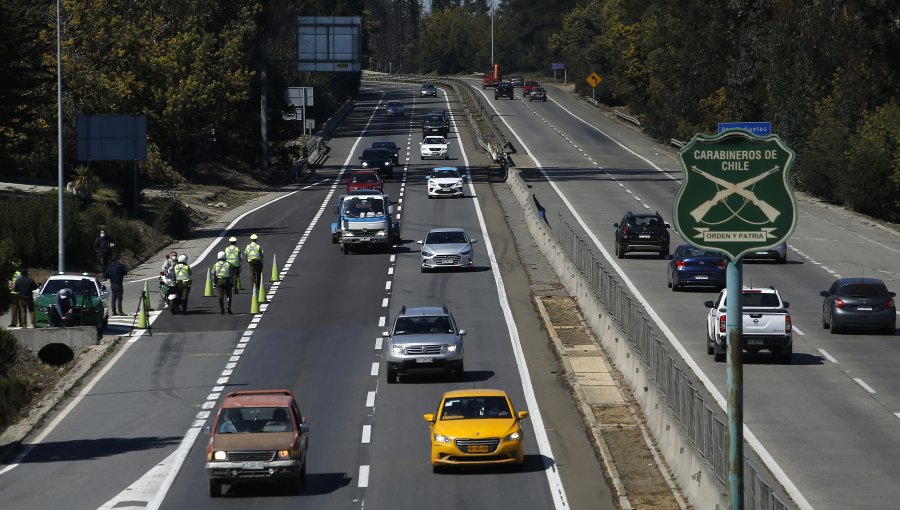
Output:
x=393 y=258
x=374 y=370
x=363 y=477
x=378 y=342
x=390 y=270
x=366 y=434
x=370 y=399
x=827 y=356
x=897 y=415
x=384 y=302
x=387 y=285
x=865 y=386
x=797 y=330
x=382 y=321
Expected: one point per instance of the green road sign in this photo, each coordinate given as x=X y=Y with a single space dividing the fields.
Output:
x=734 y=195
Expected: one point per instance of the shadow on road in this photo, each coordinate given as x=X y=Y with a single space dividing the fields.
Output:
x=87 y=449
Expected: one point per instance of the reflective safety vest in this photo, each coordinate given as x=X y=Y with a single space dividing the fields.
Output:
x=222 y=269
x=253 y=251
x=182 y=272
x=233 y=255
x=12 y=282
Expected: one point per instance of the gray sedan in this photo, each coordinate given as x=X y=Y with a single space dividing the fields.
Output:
x=446 y=247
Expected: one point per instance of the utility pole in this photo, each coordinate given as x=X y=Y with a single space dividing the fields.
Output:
x=492 y=35
x=59 y=140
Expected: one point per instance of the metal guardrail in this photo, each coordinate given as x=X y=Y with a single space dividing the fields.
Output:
x=678 y=144
x=702 y=420
x=628 y=118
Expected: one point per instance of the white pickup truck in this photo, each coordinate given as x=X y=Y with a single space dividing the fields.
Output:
x=767 y=324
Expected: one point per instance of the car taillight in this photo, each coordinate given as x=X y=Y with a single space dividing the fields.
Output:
x=680 y=264
x=722 y=324
x=838 y=302
x=624 y=231
x=722 y=264
x=787 y=323
x=888 y=303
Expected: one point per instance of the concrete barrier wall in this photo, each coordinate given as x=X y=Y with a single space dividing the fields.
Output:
x=692 y=473
x=75 y=337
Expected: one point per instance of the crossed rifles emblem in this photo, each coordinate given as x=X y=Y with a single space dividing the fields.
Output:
x=740 y=188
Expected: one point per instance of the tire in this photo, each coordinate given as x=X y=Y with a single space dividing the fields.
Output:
x=436 y=469
x=173 y=307
x=675 y=287
x=460 y=374
x=718 y=356
x=782 y=260
x=345 y=248
x=620 y=251
x=825 y=324
x=710 y=349
x=215 y=488
x=391 y=375
x=890 y=330
x=334 y=238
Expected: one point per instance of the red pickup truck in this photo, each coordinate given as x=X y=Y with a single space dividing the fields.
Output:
x=491 y=78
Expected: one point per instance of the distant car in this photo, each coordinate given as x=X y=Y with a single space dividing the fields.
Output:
x=504 y=89
x=391 y=146
x=439 y=111
x=434 y=147
x=538 y=94
x=863 y=303
x=88 y=299
x=424 y=338
x=428 y=90
x=476 y=426
x=395 y=108
x=364 y=180
x=257 y=436
x=642 y=232
x=378 y=159
x=528 y=86
x=447 y=248
x=777 y=253
x=516 y=81
x=435 y=125
x=692 y=266
x=445 y=181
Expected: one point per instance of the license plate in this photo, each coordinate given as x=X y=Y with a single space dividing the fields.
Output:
x=701 y=277
x=762 y=253
x=864 y=308
x=755 y=341
x=365 y=239
x=446 y=261
x=478 y=448
x=253 y=465
x=423 y=359
x=644 y=236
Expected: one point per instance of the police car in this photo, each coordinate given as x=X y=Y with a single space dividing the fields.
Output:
x=88 y=298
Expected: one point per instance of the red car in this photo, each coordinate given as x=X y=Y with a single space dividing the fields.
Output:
x=526 y=88
x=366 y=180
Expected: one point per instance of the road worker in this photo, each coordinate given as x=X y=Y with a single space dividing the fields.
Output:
x=233 y=257
x=222 y=279
x=253 y=254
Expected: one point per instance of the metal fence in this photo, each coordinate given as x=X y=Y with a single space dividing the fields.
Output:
x=702 y=421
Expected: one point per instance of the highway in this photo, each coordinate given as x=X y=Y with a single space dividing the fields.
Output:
x=131 y=436
x=830 y=419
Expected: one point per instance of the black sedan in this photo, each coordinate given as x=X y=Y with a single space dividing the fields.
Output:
x=378 y=159
x=863 y=303
x=538 y=94
x=692 y=266
x=391 y=146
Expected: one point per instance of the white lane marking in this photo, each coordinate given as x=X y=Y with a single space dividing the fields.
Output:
x=864 y=385
x=370 y=399
x=387 y=285
x=374 y=370
x=393 y=258
x=378 y=342
x=366 y=434
x=827 y=356
x=247 y=333
x=797 y=330
x=252 y=325
x=897 y=415
x=213 y=396
x=208 y=405
x=218 y=388
x=557 y=491
x=384 y=302
x=363 y=476
x=390 y=270
x=222 y=380
x=382 y=321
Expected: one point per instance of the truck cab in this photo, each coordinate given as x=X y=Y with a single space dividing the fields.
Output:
x=365 y=220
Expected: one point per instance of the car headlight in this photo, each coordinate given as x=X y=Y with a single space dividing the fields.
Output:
x=43 y=309
x=440 y=438
x=220 y=455
x=467 y=251
x=396 y=349
x=451 y=348
x=386 y=163
x=457 y=184
x=515 y=436
x=427 y=254
x=365 y=164
x=284 y=454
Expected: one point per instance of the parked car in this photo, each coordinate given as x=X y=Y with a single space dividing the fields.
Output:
x=447 y=247
x=434 y=147
x=863 y=303
x=364 y=180
x=424 y=338
x=257 y=436
x=445 y=181
x=428 y=90
x=642 y=232
x=378 y=159
x=88 y=299
x=504 y=89
x=777 y=253
x=391 y=146
x=516 y=81
x=528 y=86
x=395 y=108
x=696 y=267
x=538 y=94
x=476 y=427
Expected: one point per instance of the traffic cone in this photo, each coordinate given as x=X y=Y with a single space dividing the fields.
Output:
x=262 y=292
x=275 y=277
x=208 y=290
x=143 y=322
x=254 y=303
x=146 y=297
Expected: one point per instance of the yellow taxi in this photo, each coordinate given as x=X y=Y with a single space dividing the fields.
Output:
x=476 y=427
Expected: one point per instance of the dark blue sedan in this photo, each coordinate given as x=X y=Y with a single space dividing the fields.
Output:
x=692 y=266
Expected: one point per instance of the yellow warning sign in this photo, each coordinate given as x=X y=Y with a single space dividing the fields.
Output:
x=593 y=79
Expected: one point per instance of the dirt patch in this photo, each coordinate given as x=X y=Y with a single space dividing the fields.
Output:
x=614 y=415
x=562 y=311
x=638 y=471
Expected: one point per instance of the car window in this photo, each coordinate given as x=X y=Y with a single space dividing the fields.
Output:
x=426 y=324
x=383 y=145
x=373 y=154
x=248 y=420
x=445 y=174
x=445 y=238
x=361 y=207
x=644 y=221
x=698 y=252
x=468 y=408
x=79 y=287
x=862 y=290
x=762 y=299
x=364 y=178
x=434 y=141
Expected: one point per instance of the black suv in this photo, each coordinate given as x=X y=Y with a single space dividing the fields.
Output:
x=642 y=232
x=504 y=89
x=381 y=160
x=435 y=125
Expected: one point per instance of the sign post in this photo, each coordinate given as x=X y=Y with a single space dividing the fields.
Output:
x=559 y=66
x=735 y=198
x=593 y=80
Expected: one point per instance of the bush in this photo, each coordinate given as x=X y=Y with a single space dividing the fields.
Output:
x=8 y=349
x=14 y=395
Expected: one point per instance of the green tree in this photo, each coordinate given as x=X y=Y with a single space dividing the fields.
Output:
x=871 y=181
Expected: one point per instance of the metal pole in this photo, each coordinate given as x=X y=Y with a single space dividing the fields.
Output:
x=135 y=188
x=734 y=325
x=59 y=141
x=492 y=35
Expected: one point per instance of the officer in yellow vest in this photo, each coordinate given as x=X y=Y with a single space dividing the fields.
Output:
x=233 y=257
x=183 y=280
x=253 y=254
x=222 y=278
x=14 y=300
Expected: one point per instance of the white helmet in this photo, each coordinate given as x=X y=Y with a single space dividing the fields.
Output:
x=220 y=255
x=182 y=259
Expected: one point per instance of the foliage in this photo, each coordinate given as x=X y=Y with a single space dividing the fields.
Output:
x=8 y=349
x=9 y=264
x=14 y=395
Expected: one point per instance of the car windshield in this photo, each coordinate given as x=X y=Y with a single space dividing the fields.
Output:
x=427 y=87
x=419 y=325
x=761 y=299
x=468 y=408
x=445 y=174
x=434 y=141
x=383 y=145
x=80 y=287
x=248 y=420
x=862 y=290
x=537 y=89
x=435 y=119
x=364 y=178
x=367 y=207
x=451 y=237
x=374 y=154
x=698 y=252
x=644 y=221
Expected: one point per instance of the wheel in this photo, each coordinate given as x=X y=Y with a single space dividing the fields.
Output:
x=710 y=349
x=460 y=374
x=215 y=488
x=675 y=287
x=782 y=260
x=447 y=156
x=669 y=284
x=334 y=238
x=664 y=253
x=825 y=324
x=834 y=327
x=890 y=329
x=544 y=100
x=436 y=469
x=784 y=354
x=391 y=375
x=173 y=307
x=620 y=251
x=345 y=248
x=718 y=354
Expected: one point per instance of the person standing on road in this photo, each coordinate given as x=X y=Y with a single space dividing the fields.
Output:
x=25 y=288
x=183 y=279
x=233 y=257
x=14 y=300
x=115 y=271
x=168 y=267
x=222 y=278
x=103 y=245
x=254 y=255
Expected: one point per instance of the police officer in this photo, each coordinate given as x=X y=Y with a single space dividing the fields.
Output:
x=183 y=279
x=14 y=300
x=233 y=257
x=222 y=277
x=253 y=253
x=25 y=287
x=64 y=308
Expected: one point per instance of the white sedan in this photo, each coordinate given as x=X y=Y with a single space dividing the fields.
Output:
x=445 y=181
x=434 y=147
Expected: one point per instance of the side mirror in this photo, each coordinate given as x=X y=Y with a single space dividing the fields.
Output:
x=390 y=209
x=428 y=417
x=419 y=242
x=669 y=257
x=523 y=415
x=473 y=241
x=385 y=334
x=616 y=225
x=206 y=430
x=824 y=293
x=786 y=304
x=461 y=332
x=709 y=304
x=103 y=288
x=892 y=294
x=667 y=225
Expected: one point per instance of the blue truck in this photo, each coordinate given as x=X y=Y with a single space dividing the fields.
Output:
x=365 y=220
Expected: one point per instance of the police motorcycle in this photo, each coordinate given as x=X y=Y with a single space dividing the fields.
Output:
x=170 y=290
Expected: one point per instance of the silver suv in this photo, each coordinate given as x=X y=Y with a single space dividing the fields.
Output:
x=424 y=338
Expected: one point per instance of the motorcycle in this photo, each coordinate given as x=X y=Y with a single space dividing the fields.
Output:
x=170 y=291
